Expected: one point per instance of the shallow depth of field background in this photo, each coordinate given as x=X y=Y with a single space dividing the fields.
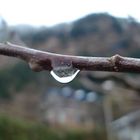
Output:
x=94 y=106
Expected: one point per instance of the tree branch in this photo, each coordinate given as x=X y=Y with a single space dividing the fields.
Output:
x=40 y=60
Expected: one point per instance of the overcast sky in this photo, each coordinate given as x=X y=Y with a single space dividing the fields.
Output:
x=51 y=12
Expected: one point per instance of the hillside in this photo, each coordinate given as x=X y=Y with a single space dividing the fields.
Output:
x=94 y=35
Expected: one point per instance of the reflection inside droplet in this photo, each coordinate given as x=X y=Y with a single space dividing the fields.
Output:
x=64 y=74
x=63 y=70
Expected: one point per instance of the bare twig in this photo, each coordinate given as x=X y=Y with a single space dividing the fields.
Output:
x=40 y=60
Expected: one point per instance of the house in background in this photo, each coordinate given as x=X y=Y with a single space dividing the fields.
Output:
x=71 y=108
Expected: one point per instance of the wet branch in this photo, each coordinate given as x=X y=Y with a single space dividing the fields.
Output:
x=40 y=60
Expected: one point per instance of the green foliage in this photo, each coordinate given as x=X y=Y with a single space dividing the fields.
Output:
x=15 y=78
x=14 y=129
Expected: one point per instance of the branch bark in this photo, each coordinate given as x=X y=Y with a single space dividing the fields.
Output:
x=40 y=60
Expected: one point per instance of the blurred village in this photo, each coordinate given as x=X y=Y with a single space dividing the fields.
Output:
x=102 y=103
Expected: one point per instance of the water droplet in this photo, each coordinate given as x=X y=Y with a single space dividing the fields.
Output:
x=63 y=70
x=64 y=74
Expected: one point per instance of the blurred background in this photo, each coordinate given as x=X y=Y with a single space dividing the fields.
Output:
x=95 y=105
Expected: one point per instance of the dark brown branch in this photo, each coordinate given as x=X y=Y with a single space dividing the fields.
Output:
x=40 y=60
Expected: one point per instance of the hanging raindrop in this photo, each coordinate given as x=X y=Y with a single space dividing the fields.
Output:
x=63 y=70
x=64 y=75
